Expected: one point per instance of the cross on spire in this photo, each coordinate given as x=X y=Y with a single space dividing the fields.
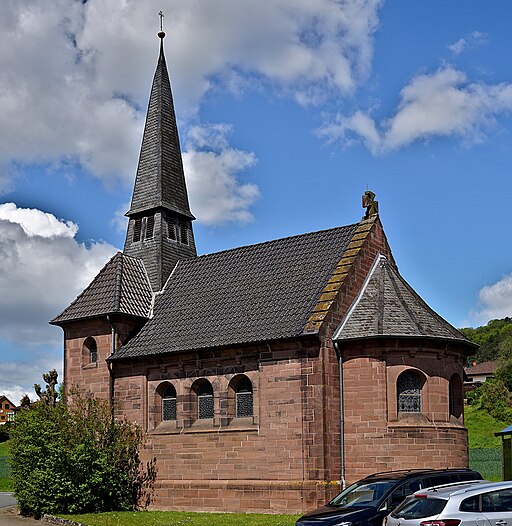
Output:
x=161 y=33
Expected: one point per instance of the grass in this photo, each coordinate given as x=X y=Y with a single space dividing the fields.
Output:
x=179 y=518
x=5 y=482
x=481 y=427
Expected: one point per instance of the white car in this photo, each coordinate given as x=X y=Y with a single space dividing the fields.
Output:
x=477 y=503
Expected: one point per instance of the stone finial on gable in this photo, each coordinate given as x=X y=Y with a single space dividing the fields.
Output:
x=372 y=206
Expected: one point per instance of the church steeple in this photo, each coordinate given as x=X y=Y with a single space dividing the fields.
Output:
x=160 y=229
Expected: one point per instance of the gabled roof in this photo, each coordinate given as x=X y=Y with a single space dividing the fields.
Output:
x=481 y=368
x=249 y=294
x=160 y=181
x=388 y=306
x=121 y=286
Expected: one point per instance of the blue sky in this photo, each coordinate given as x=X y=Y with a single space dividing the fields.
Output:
x=288 y=111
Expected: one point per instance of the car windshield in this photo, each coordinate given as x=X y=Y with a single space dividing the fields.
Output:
x=363 y=494
x=419 y=508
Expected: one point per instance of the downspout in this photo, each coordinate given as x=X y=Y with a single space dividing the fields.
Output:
x=109 y=364
x=342 y=416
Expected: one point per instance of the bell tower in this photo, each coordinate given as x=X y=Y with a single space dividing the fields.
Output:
x=160 y=222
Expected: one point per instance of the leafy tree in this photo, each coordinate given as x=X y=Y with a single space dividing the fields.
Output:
x=72 y=456
x=49 y=396
x=496 y=398
x=25 y=402
x=4 y=431
x=491 y=338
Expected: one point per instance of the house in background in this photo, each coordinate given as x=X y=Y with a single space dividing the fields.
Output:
x=8 y=410
x=478 y=373
x=268 y=375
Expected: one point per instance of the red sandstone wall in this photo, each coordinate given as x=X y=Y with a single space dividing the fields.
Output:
x=376 y=437
x=257 y=464
x=77 y=367
x=287 y=457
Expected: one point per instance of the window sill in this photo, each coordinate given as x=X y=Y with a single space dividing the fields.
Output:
x=205 y=426
x=419 y=420
x=93 y=365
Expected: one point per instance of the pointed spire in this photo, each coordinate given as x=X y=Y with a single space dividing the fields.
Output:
x=160 y=180
x=160 y=229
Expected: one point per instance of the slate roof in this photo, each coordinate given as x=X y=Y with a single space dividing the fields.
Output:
x=248 y=294
x=160 y=180
x=121 y=286
x=388 y=306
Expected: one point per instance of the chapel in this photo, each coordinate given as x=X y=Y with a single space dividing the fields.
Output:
x=269 y=375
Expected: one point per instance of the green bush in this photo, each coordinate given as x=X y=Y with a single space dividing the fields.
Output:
x=75 y=458
x=495 y=399
x=4 y=431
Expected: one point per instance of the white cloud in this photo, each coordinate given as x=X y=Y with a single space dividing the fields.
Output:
x=212 y=168
x=40 y=273
x=439 y=104
x=18 y=378
x=495 y=301
x=471 y=40
x=76 y=87
x=42 y=269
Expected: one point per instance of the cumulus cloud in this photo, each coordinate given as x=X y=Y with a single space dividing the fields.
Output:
x=495 y=301
x=443 y=103
x=76 y=89
x=18 y=377
x=41 y=271
x=212 y=169
x=471 y=40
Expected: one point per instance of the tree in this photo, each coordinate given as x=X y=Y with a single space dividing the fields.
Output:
x=49 y=396
x=72 y=456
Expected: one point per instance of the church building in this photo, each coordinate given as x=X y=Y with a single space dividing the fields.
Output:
x=269 y=375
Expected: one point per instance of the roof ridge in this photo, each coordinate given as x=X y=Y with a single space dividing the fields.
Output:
x=400 y=296
x=118 y=285
x=378 y=259
x=269 y=242
x=86 y=288
x=330 y=292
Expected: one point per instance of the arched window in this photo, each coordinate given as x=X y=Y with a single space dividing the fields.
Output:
x=204 y=400
x=408 y=389
x=90 y=350
x=456 y=396
x=169 y=403
x=243 y=397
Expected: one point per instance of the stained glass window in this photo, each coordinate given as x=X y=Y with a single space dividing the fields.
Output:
x=409 y=393
x=243 y=398
x=169 y=404
x=205 y=401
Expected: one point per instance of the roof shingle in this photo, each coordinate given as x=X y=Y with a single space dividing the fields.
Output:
x=388 y=306
x=248 y=294
x=121 y=286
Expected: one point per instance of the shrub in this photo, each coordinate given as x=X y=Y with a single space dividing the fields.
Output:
x=4 y=432
x=495 y=399
x=75 y=458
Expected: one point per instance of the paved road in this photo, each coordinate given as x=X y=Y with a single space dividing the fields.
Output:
x=8 y=515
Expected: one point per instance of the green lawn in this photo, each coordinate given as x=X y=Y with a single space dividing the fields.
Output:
x=5 y=481
x=481 y=427
x=178 y=518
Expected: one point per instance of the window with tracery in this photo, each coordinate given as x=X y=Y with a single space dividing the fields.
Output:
x=243 y=398
x=169 y=404
x=408 y=387
x=204 y=400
